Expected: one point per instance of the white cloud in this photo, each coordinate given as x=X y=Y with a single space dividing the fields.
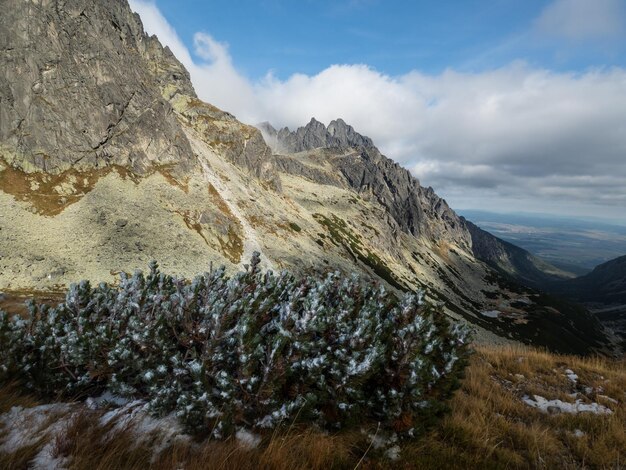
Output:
x=583 y=19
x=516 y=136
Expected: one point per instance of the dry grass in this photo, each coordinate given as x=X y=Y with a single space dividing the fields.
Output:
x=20 y=459
x=488 y=427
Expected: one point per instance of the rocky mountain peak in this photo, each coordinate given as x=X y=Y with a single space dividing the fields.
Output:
x=337 y=135
x=347 y=136
x=82 y=86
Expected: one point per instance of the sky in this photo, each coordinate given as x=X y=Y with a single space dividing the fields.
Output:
x=501 y=105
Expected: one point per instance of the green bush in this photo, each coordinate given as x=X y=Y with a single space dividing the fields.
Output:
x=253 y=350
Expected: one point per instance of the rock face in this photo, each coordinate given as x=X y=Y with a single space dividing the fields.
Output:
x=83 y=87
x=76 y=89
x=416 y=209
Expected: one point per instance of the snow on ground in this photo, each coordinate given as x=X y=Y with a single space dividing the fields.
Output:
x=26 y=426
x=248 y=439
x=558 y=406
x=134 y=416
x=393 y=453
x=42 y=424
x=490 y=313
x=107 y=398
x=571 y=375
x=45 y=459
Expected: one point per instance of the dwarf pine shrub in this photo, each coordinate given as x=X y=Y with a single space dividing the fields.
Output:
x=253 y=350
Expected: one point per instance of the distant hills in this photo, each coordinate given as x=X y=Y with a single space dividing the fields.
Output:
x=603 y=291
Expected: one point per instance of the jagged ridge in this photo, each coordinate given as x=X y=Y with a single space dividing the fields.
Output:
x=416 y=209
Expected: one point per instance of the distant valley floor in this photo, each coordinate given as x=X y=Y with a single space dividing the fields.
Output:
x=574 y=245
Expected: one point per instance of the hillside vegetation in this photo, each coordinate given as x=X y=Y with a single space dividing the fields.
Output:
x=243 y=353
x=489 y=426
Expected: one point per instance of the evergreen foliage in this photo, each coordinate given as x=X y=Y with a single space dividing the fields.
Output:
x=253 y=350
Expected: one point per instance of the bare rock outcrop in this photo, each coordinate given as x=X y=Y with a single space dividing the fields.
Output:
x=416 y=209
x=82 y=86
x=77 y=92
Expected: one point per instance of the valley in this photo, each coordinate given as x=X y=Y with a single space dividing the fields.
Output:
x=574 y=245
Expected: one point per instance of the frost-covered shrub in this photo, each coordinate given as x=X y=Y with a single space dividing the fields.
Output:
x=254 y=350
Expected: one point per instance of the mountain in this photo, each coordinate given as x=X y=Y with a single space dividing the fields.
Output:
x=606 y=284
x=603 y=291
x=416 y=209
x=108 y=160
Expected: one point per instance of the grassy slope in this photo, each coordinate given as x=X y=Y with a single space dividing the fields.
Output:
x=488 y=427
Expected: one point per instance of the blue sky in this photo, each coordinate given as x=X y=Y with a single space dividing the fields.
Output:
x=394 y=37
x=501 y=104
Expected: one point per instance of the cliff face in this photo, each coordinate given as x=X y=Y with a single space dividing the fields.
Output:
x=82 y=87
x=77 y=89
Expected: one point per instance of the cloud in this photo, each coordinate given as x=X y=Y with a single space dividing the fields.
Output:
x=583 y=19
x=513 y=137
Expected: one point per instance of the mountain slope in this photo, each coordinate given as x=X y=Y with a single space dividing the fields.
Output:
x=416 y=209
x=603 y=291
x=158 y=174
x=606 y=284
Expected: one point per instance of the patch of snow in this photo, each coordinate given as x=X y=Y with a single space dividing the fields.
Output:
x=588 y=390
x=248 y=439
x=27 y=425
x=578 y=433
x=382 y=440
x=393 y=453
x=135 y=417
x=491 y=313
x=123 y=415
x=45 y=459
x=571 y=375
x=548 y=406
